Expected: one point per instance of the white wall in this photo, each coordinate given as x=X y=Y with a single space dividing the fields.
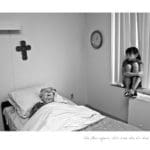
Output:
x=57 y=55
x=101 y=95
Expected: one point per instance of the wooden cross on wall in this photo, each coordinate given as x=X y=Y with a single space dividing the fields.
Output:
x=23 y=48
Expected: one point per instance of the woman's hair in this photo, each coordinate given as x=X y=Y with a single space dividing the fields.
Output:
x=50 y=89
x=133 y=50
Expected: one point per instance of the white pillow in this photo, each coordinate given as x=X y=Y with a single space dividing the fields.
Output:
x=24 y=99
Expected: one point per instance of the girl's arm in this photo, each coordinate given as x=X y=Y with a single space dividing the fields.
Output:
x=131 y=74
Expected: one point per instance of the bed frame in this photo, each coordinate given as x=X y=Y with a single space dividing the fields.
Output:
x=5 y=104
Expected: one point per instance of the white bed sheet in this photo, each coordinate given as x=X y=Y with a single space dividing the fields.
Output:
x=62 y=117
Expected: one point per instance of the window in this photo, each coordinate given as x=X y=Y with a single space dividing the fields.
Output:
x=130 y=29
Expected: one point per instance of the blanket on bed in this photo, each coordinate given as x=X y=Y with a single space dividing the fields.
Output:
x=61 y=117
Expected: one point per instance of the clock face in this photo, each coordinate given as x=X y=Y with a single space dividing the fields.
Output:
x=96 y=39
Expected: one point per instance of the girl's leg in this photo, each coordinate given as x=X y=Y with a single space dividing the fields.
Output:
x=127 y=80
x=135 y=80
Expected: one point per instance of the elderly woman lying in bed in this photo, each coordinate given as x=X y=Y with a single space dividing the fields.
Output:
x=47 y=95
x=54 y=113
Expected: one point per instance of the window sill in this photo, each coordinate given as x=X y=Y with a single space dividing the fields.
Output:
x=120 y=85
x=144 y=94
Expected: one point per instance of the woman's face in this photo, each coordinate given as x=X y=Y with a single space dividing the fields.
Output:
x=47 y=96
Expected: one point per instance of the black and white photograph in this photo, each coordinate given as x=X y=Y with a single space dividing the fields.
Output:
x=78 y=72
x=75 y=71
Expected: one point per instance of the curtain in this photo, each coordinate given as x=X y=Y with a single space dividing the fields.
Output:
x=144 y=45
x=130 y=29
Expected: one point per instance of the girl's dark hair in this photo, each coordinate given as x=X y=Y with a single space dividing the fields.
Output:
x=133 y=50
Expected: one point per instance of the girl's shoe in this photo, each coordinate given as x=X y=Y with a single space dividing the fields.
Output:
x=133 y=95
x=126 y=93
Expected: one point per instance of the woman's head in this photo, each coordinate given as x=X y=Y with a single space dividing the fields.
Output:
x=47 y=95
x=132 y=53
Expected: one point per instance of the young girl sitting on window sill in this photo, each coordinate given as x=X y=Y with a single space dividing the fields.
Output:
x=132 y=71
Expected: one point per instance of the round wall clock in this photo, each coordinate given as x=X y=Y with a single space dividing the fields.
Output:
x=96 y=39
